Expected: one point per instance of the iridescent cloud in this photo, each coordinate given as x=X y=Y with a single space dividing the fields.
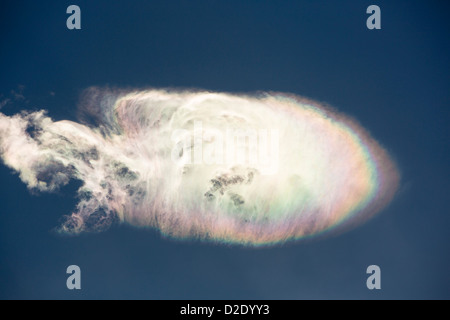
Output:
x=292 y=168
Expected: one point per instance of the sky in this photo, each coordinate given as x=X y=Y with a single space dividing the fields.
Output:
x=394 y=81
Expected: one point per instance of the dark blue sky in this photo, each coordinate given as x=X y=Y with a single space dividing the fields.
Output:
x=395 y=81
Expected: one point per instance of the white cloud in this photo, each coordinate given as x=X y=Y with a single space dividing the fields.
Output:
x=330 y=172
